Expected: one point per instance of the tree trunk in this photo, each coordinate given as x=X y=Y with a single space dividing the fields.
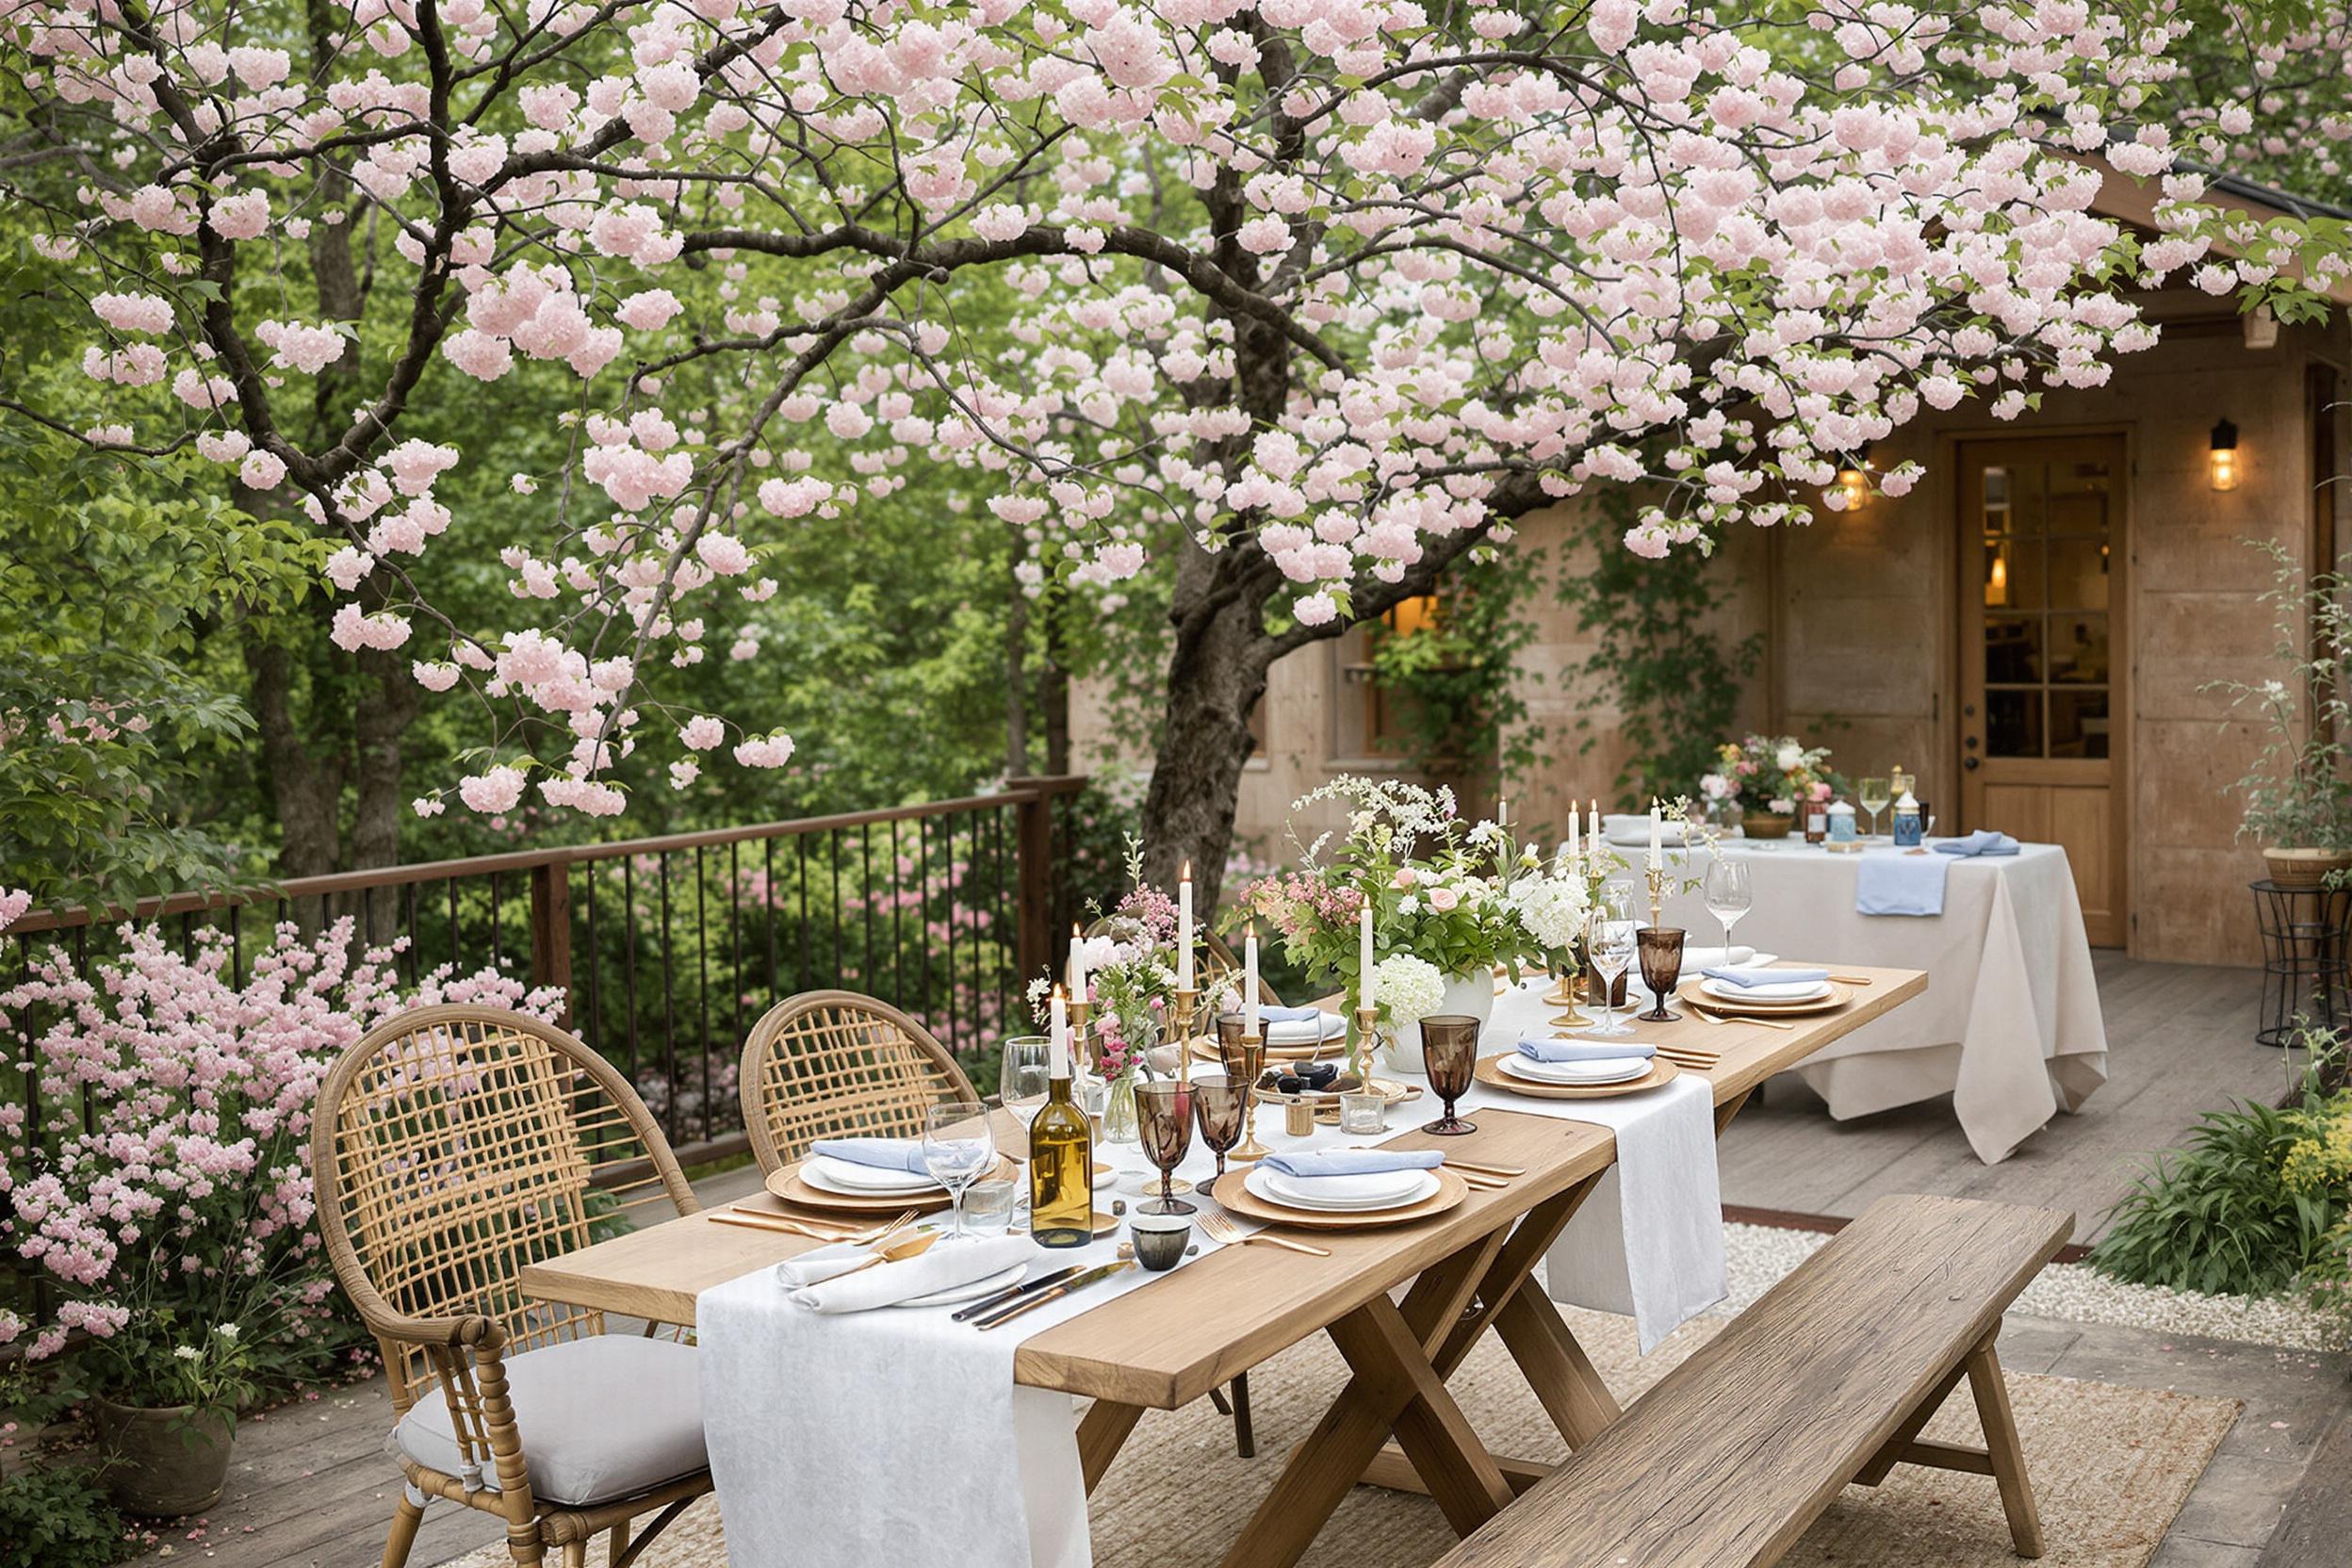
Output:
x=1054 y=682
x=389 y=702
x=1215 y=677
x=306 y=789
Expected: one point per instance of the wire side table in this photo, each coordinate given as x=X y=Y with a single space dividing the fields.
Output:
x=2306 y=960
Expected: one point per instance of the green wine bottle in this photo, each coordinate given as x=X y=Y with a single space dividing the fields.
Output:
x=1061 y=1162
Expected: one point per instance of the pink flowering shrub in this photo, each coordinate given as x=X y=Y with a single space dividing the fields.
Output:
x=165 y=1189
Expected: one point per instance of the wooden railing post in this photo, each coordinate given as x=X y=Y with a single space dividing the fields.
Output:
x=1033 y=882
x=551 y=931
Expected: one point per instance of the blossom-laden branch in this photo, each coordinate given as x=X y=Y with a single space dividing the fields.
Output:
x=1325 y=291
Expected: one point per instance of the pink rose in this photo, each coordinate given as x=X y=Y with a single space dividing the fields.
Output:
x=1404 y=877
x=1444 y=899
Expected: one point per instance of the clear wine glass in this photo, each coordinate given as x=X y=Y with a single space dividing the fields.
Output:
x=1025 y=1075
x=1609 y=944
x=959 y=1149
x=1729 y=892
x=1874 y=796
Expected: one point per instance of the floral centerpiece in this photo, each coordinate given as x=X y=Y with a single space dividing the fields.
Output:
x=175 y=1224
x=1444 y=895
x=1129 y=956
x=1768 y=776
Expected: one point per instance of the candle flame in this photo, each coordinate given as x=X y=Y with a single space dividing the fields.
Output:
x=1185 y=876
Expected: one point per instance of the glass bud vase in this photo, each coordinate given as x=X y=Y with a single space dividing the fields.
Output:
x=1119 y=1123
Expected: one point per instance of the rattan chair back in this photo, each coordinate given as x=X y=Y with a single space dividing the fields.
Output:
x=454 y=1145
x=834 y=1064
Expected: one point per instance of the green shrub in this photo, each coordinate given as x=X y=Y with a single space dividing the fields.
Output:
x=2220 y=1214
x=57 y=1516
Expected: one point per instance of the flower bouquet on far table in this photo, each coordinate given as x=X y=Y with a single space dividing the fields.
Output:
x=1439 y=889
x=1764 y=780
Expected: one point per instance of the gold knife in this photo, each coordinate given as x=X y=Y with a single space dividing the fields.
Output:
x=1031 y=1303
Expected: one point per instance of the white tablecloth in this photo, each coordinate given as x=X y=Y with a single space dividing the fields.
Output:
x=2010 y=1026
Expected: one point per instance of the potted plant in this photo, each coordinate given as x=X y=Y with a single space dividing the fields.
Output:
x=174 y=1223
x=1765 y=778
x=1440 y=890
x=2297 y=801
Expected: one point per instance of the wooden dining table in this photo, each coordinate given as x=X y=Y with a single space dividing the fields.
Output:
x=1464 y=1273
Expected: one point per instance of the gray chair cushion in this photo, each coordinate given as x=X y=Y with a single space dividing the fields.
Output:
x=601 y=1418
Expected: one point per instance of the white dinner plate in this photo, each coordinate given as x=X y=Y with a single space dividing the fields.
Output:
x=852 y=1180
x=1010 y=1275
x=1296 y=1194
x=1306 y=1030
x=1723 y=990
x=1616 y=1071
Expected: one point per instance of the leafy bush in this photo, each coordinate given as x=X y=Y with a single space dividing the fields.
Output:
x=2243 y=1208
x=57 y=1516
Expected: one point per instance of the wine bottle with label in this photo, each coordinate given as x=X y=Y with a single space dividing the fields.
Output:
x=1061 y=1162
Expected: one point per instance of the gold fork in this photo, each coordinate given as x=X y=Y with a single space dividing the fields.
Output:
x=816 y=1231
x=1226 y=1233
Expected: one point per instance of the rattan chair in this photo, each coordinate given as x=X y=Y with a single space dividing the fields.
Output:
x=834 y=1064
x=451 y=1147
x=1222 y=962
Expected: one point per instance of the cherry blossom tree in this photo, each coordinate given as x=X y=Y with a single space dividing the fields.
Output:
x=1303 y=297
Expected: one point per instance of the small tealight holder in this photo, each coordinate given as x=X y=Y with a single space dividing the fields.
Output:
x=1159 y=1239
x=1843 y=839
x=1362 y=1111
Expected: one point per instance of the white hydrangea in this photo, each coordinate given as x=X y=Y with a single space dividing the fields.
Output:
x=1550 y=907
x=1408 y=987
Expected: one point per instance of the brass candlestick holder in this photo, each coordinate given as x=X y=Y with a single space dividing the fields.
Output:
x=1655 y=877
x=1248 y=1055
x=1186 y=1001
x=1566 y=996
x=1367 y=1039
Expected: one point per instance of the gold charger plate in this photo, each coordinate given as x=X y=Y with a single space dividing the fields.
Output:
x=1490 y=1072
x=1690 y=991
x=1236 y=1199
x=786 y=1184
x=1205 y=1051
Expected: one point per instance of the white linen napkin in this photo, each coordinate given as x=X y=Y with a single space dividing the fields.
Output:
x=944 y=1266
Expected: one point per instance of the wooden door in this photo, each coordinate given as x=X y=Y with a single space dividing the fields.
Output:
x=2044 y=713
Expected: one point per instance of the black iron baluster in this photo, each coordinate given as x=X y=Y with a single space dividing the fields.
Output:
x=409 y=953
x=454 y=959
x=954 y=1014
x=735 y=932
x=836 y=837
x=629 y=954
x=669 y=1005
x=767 y=901
x=497 y=909
x=867 y=967
x=898 y=935
x=595 y=1032
x=922 y=911
x=801 y=972
x=702 y=972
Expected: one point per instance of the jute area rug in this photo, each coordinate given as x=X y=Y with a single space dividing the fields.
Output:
x=2111 y=1466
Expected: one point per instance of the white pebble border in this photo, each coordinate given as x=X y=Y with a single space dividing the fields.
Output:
x=1757 y=1256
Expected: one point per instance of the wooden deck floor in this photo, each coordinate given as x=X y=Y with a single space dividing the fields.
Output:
x=311 y=1487
x=2179 y=1041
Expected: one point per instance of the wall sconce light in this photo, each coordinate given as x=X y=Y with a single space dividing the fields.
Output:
x=1853 y=477
x=2224 y=473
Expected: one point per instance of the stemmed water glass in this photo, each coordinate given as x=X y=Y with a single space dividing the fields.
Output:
x=1164 y=1110
x=1025 y=1076
x=1729 y=892
x=1218 y=1100
x=959 y=1149
x=1449 y=1053
x=1873 y=796
x=1609 y=945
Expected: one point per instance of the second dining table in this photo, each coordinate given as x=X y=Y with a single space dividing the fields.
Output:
x=1462 y=1273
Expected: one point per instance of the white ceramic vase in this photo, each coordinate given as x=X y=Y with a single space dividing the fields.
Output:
x=1471 y=994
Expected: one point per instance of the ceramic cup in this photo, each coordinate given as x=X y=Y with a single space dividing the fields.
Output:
x=1160 y=1238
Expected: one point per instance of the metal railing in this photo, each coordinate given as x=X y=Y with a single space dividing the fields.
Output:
x=668 y=949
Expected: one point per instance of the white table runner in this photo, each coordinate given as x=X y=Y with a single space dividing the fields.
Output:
x=1649 y=1242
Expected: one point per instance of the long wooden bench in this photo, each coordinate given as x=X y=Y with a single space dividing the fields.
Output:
x=1826 y=1380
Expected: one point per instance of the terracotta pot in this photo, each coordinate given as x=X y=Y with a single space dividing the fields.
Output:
x=1765 y=825
x=164 y=1462
x=2304 y=867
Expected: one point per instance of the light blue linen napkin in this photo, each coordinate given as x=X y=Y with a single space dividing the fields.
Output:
x=1900 y=883
x=1581 y=1050
x=882 y=1153
x=1984 y=841
x=1353 y=1162
x=1749 y=976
